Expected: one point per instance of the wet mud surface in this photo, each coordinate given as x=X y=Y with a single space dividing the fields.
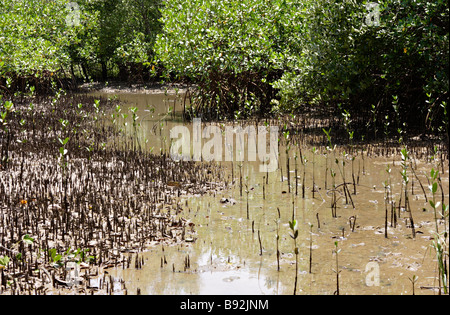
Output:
x=155 y=226
x=235 y=247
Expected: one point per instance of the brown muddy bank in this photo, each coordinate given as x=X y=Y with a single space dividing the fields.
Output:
x=77 y=196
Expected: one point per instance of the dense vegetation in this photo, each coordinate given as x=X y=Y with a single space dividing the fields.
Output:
x=88 y=39
x=382 y=68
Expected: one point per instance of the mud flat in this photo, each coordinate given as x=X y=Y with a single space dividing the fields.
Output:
x=77 y=197
x=350 y=194
x=110 y=212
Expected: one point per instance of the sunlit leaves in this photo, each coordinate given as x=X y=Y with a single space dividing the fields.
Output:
x=36 y=39
x=293 y=225
x=4 y=261
x=34 y=35
x=27 y=239
x=231 y=48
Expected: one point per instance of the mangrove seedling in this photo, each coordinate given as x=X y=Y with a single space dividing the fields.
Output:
x=441 y=252
x=304 y=161
x=433 y=188
x=333 y=196
x=240 y=178
x=293 y=225
x=404 y=173
x=264 y=187
x=420 y=183
x=329 y=148
x=352 y=222
x=314 y=151
x=346 y=190
x=351 y=133
x=288 y=148
x=260 y=244
x=387 y=189
x=277 y=222
x=247 y=191
x=337 y=271
x=135 y=117
x=413 y=282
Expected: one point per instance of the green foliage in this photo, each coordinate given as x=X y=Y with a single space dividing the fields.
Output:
x=293 y=225
x=249 y=56
x=4 y=260
x=27 y=239
x=339 y=58
x=228 y=48
x=42 y=40
x=123 y=35
x=79 y=255
x=405 y=157
x=260 y=56
x=34 y=34
x=54 y=256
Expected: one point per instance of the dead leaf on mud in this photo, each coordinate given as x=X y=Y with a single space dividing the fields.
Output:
x=174 y=184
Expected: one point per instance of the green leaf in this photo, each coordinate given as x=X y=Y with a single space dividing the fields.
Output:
x=404 y=154
x=54 y=256
x=293 y=225
x=8 y=105
x=27 y=239
x=434 y=187
x=63 y=142
x=4 y=260
x=52 y=252
x=432 y=173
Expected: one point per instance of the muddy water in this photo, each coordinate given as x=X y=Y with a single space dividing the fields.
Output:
x=234 y=247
